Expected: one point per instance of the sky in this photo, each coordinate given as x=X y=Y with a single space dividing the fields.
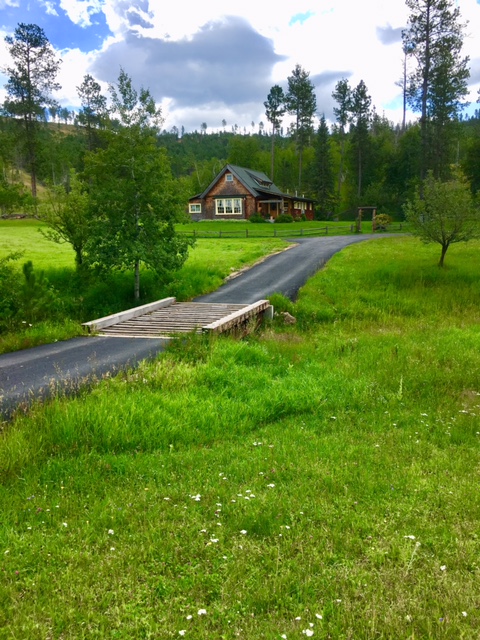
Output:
x=210 y=61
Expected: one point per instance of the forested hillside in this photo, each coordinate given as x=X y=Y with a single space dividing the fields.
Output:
x=391 y=165
x=358 y=158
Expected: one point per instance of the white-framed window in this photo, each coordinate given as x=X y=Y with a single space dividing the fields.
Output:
x=300 y=205
x=228 y=206
x=228 y=177
x=195 y=208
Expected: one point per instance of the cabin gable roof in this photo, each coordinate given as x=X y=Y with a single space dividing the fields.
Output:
x=257 y=183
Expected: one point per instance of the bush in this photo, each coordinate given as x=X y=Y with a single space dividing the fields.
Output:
x=284 y=217
x=39 y=300
x=257 y=217
x=382 y=221
x=13 y=198
x=27 y=301
x=9 y=296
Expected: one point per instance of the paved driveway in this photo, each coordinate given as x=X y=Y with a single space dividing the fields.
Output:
x=39 y=372
x=285 y=272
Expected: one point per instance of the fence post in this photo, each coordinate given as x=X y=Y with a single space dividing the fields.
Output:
x=301 y=232
x=246 y=233
x=194 y=233
x=219 y=234
x=326 y=231
x=275 y=233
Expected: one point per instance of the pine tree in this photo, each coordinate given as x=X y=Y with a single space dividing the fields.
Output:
x=275 y=110
x=361 y=116
x=438 y=83
x=323 y=179
x=301 y=102
x=343 y=97
x=31 y=81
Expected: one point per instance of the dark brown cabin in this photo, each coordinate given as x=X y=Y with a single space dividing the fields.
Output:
x=236 y=193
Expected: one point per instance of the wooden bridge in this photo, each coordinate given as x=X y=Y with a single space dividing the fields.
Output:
x=167 y=317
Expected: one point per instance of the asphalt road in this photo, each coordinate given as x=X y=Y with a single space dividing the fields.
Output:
x=285 y=272
x=66 y=366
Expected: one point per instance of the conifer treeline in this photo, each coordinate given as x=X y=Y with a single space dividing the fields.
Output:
x=360 y=159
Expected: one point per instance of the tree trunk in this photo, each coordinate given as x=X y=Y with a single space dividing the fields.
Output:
x=272 y=168
x=31 y=142
x=137 y=281
x=359 y=173
x=78 y=258
x=425 y=86
x=300 y=158
x=404 y=117
x=340 y=169
x=442 y=257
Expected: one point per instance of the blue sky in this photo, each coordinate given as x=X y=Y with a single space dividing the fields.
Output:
x=208 y=61
x=62 y=32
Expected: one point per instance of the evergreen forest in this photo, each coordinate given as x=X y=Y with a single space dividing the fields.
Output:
x=359 y=159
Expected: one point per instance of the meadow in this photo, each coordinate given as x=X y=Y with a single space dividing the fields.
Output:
x=314 y=480
x=245 y=229
x=79 y=299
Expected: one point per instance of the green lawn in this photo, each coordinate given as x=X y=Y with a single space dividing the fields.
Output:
x=245 y=229
x=24 y=236
x=321 y=477
x=79 y=299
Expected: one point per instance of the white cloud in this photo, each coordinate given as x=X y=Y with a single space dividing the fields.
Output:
x=75 y=66
x=337 y=35
x=158 y=43
x=49 y=7
x=80 y=11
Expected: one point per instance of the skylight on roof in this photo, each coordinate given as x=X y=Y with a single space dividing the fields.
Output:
x=263 y=183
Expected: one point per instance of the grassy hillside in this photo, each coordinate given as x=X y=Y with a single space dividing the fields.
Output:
x=318 y=479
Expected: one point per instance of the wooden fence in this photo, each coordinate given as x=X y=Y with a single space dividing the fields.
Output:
x=270 y=231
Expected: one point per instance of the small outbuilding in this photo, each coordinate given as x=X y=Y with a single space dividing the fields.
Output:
x=236 y=193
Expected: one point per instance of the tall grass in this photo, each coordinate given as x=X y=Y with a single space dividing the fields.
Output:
x=82 y=297
x=318 y=477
